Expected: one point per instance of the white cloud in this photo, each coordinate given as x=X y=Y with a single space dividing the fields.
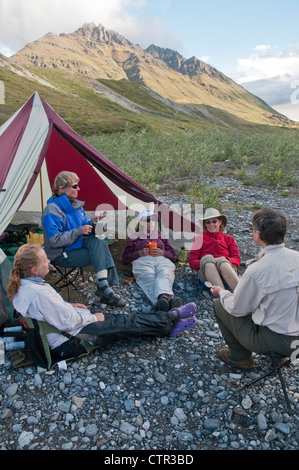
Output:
x=204 y=58
x=268 y=63
x=262 y=47
x=22 y=22
x=291 y=110
x=270 y=73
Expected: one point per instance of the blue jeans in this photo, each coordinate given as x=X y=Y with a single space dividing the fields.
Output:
x=95 y=252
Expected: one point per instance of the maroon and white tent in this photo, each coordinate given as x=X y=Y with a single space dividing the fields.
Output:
x=36 y=144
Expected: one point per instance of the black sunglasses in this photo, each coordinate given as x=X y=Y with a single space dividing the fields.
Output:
x=211 y=222
x=74 y=186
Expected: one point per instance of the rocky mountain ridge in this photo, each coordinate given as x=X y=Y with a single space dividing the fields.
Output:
x=97 y=53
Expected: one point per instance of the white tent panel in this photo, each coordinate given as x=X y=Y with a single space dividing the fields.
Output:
x=24 y=163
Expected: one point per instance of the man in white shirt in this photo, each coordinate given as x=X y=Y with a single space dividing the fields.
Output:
x=262 y=314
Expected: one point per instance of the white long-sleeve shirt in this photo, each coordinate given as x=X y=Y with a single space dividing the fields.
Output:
x=269 y=289
x=41 y=302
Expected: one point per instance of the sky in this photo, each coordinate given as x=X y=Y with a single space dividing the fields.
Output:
x=256 y=42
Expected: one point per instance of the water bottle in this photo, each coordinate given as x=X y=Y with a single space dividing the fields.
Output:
x=183 y=256
x=2 y=353
x=14 y=345
x=8 y=329
x=8 y=339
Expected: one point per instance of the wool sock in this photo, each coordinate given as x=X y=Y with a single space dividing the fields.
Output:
x=103 y=282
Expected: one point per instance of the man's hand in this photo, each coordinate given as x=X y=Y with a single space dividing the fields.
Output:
x=216 y=290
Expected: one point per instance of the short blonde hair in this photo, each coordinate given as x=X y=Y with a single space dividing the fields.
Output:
x=64 y=179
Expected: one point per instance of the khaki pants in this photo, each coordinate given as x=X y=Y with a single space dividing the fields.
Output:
x=154 y=275
x=243 y=336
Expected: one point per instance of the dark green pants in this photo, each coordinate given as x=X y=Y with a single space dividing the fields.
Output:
x=243 y=336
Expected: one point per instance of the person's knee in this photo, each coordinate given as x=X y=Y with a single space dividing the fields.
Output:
x=95 y=245
x=209 y=268
x=207 y=259
x=218 y=309
x=216 y=306
x=224 y=267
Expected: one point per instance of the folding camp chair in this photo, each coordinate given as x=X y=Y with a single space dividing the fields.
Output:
x=15 y=233
x=67 y=277
x=35 y=337
x=277 y=363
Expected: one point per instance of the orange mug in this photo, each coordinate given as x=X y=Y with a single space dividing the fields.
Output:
x=152 y=245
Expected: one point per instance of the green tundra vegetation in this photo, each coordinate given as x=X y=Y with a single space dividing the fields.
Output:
x=270 y=156
x=160 y=144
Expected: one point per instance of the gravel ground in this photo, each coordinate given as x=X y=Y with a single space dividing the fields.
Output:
x=158 y=394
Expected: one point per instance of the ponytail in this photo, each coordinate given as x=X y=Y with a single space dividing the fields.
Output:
x=25 y=259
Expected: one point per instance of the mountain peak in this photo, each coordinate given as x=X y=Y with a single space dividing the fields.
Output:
x=100 y=35
x=193 y=67
x=99 y=53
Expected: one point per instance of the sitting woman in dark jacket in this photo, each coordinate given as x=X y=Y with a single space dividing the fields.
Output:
x=153 y=267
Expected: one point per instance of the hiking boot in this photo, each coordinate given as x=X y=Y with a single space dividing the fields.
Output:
x=112 y=299
x=277 y=360
x=175 y=302
x=162 y=304
x=246 y=364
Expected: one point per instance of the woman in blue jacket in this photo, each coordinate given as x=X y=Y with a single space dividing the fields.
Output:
x=69 y=241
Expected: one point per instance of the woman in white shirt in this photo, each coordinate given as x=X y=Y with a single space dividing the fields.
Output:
x=34 y=298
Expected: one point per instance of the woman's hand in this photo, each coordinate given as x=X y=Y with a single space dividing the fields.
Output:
x=79 y=306
x=86 y=229
x=144 y=251
x=99 y=316
x=99 y=216
x=156 y=252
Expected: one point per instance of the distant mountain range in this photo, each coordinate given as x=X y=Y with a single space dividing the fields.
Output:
x=154 y=81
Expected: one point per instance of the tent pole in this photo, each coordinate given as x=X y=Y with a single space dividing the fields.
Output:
x=41 y=190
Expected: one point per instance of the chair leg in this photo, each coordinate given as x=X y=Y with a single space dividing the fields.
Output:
x=286 y=396
x=276 y=369
x=63 y=278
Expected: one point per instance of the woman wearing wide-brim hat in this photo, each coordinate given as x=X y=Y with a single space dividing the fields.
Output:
x=215 y=254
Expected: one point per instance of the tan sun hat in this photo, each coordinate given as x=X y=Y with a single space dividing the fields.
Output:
x=211 y=213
